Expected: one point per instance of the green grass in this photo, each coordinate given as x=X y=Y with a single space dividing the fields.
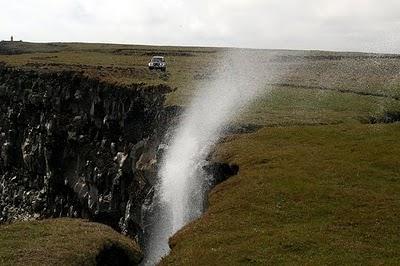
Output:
x=304 y=195
x=115 y=63
x=189 y=66
x=288 y=106
x=60 y=242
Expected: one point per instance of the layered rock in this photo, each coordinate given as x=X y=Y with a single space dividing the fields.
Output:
x=77 y=147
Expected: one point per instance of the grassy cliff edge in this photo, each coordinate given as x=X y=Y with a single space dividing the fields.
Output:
x=307 y=195
x=65 y=242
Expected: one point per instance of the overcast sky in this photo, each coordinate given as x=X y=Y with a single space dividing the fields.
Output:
x=351 y=25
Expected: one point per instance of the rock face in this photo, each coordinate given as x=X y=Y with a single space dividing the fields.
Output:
x=220 y=172
x=72 y=146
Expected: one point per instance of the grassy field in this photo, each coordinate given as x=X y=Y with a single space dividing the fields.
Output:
x=320 y=195
x=317 y=185
x=308 y=90
x=62 y=242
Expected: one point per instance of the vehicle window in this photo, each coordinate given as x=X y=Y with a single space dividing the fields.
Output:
x=157 y=59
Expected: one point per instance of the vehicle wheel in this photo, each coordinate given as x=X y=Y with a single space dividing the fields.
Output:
x=150 y=68
x=163 y=69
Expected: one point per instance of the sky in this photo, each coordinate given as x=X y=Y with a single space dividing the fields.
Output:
x=340 y=25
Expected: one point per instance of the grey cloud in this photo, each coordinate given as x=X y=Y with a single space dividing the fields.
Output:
x=359 y=25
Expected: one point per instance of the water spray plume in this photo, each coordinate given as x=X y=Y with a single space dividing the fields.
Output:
x=239 y=79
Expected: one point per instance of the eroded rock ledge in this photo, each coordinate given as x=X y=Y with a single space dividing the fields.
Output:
x=72 y=146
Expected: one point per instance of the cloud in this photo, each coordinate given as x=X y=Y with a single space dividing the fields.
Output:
x=358 y=25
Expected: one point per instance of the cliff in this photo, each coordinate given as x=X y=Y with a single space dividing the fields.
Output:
x=72 y=146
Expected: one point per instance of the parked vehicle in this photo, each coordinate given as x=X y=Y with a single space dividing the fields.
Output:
x=158 y=62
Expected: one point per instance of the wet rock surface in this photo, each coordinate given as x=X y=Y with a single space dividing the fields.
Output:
x=220 y=172
x=71 y=146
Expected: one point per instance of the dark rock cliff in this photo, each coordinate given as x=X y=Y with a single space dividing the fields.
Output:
x=72 y=146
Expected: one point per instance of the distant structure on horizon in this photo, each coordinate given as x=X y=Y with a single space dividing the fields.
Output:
x=12 y=38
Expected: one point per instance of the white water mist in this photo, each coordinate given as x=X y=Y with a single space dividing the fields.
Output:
x=239 y=79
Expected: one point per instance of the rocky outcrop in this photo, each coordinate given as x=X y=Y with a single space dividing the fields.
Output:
x=72 y=146
x=220 y=172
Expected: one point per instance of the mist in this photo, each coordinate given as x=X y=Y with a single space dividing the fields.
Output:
x=183 y=185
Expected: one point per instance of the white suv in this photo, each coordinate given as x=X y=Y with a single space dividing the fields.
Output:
x=158 y=62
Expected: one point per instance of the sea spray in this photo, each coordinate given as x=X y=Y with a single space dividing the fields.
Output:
x=179 y=196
